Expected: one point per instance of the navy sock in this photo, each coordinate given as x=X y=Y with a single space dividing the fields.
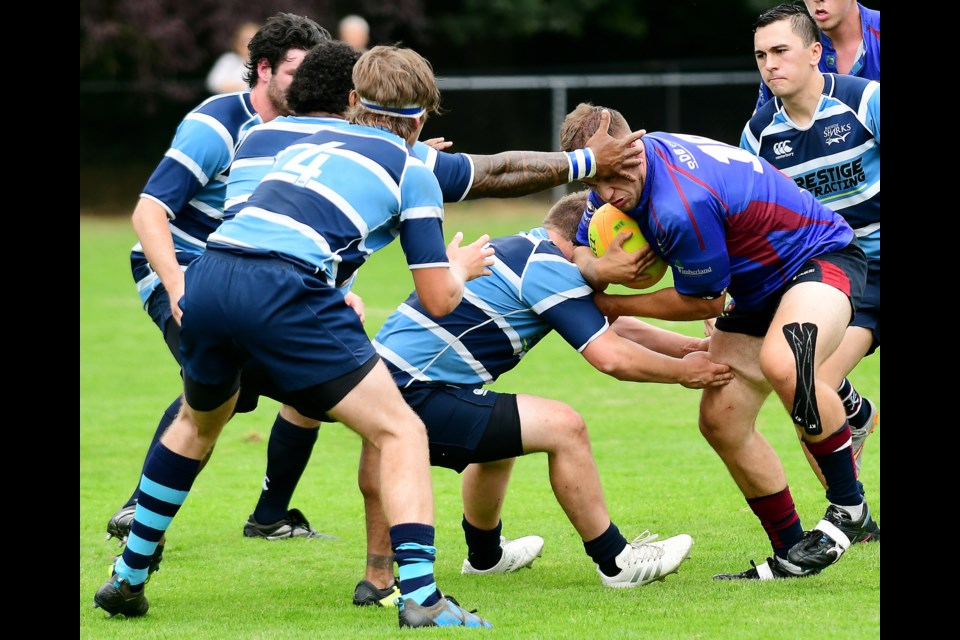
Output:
x=167 y=478
x=288 y=453
x=165 y=421
x=778 y=515
x=605 y=548
x=483 y=547
x=415 y=554
x=834 y=455
x=855 y=405
x=850 y=398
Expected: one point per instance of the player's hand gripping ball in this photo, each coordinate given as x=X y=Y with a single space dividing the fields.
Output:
x=606 y=224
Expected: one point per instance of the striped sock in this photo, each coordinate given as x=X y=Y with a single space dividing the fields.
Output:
x=415 y=554
x=165 y=421
x=834 y=455
x=780 y=520
x=166 y=482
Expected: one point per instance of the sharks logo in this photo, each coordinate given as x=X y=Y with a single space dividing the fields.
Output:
x=836 y=133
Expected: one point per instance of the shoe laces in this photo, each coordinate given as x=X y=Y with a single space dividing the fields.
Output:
x=643 y=551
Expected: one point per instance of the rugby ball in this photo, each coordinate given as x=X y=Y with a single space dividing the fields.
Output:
x=606 y=224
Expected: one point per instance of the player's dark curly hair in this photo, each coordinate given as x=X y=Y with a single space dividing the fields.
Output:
x=324 y=79
x=281 y=32
x=801 y=22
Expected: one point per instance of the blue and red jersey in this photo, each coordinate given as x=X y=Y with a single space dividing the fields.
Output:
x=725 y=219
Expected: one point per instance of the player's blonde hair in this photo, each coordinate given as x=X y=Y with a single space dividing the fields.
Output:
x=583 y=122
x=388 y=81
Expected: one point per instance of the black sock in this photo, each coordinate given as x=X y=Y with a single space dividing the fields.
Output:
x=483 y=547
x=605 y=548
x=288 y=453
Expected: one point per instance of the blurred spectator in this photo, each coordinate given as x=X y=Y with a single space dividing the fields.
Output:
x=228 y=71
x=355 y=31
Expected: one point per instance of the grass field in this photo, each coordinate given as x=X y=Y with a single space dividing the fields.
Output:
x=657 y=471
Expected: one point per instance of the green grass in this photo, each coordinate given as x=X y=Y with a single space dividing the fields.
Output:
x=657 y=473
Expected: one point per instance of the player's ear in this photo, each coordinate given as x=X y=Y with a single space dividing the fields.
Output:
x=815 y=52
x=352 y=99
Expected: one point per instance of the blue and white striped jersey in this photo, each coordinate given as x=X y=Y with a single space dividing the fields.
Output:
x=836 y=157
x=190 y=182
x=258 y=151
x=334 y=198
x=533 y=289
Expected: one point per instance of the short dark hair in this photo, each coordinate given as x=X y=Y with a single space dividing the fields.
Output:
x=324 y=79
x=801 y=22
x=279 y=34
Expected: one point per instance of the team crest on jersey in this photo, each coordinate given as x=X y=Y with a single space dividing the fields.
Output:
x=831 y=60
x=836 y=133
x=782 y=149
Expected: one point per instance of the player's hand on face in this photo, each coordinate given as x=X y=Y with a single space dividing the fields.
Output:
x=703 y=372
x=474 y=258
x=355 y=302
x=438 y=143
x=616 y=156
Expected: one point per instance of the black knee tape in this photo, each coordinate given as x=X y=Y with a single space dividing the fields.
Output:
x=802 y=339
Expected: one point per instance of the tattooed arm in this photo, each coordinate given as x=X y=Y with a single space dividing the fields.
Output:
x=518 y=173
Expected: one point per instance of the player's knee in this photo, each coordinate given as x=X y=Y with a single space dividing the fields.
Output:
x=572 y=428
x=722 y=434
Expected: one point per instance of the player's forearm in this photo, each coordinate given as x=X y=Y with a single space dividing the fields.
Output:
x=439 y=289
x=664 y=304
x=630 y=362
x=518 y=173
x=150 y=224
x=669 y=343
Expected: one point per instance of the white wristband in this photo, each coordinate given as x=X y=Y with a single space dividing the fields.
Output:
x=583 y=164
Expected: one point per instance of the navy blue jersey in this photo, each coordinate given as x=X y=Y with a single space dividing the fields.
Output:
x=723 y=218
x=867 y=64
x=836 y=157
x=533 y=289
x=334 y=198
x=190 y=182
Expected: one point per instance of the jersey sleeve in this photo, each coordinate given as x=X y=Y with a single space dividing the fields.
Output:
x=873 y=111
x=593 y=202
x=454 y=171
x=554 y=289
x=201 y=151
x=421 y=218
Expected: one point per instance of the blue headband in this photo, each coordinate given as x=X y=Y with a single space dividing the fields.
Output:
x=409 y=111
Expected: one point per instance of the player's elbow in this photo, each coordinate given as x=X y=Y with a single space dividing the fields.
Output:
x=612 y=362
